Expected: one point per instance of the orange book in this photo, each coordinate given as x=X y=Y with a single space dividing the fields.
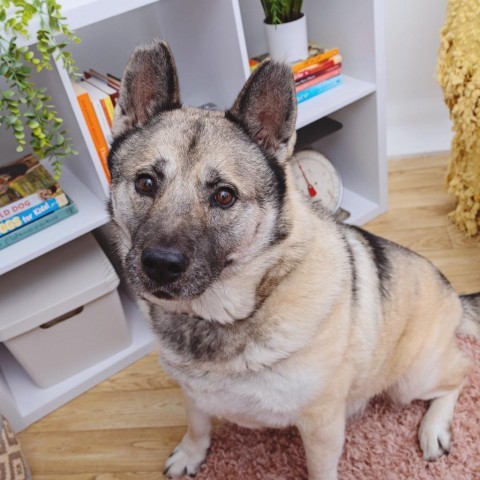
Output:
x=316 y=54
x=93 y=126
x=317 y=68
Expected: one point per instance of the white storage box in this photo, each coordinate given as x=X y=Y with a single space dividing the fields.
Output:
x=61 y=313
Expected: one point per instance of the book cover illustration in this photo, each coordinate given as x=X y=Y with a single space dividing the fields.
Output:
x=22 y=178
x=27 y=192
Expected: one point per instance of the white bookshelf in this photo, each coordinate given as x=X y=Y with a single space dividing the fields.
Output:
x=91 y=214
x=212 y=41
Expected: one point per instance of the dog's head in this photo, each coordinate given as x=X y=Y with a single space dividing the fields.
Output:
x=197 y=194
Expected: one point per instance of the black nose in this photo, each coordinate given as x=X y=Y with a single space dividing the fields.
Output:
x=163 y=265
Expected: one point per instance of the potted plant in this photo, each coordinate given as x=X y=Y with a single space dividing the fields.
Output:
x=285 y=30
x=25 y=109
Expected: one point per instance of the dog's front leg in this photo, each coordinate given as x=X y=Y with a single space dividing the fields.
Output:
x=190 y=453
x=323 y=433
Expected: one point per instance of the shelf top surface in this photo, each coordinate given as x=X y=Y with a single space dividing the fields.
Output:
x=351 y=90
x=91 y=214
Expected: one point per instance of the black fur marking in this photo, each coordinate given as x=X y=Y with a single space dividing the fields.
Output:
x=280 y=177
x=378 y=248
x=353 y=270
x=116 y=145
x=278 y=193
x=110 y=208
x=194 y=140
x=472 y=296
x=278 y=188
x=199 y=339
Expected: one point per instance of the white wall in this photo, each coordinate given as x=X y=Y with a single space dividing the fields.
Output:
x=417 y=118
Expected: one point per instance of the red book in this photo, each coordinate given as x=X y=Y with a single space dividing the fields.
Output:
x=333 y=72
x=318 y=74
x=317 y=67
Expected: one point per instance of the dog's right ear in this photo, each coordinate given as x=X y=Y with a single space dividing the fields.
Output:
x=149 y=87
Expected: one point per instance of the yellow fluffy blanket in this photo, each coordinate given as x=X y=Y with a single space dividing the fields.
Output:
x=459 y=76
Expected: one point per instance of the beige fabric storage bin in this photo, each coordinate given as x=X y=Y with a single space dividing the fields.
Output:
x=61 y=313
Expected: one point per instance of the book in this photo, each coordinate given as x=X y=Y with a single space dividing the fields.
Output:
x=32 y=214
x=93 y=126
x=98 y=99
x=102 y=85
x=319 y=88
x=329 y=73
x=21 y=178
x=38 y=225
x=24 y=204
x=25 y=183
x=112 y=81
x=317 y=67
x=106 y=101
x=316 y=54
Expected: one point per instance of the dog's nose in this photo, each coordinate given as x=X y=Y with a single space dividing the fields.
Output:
x=163 y=265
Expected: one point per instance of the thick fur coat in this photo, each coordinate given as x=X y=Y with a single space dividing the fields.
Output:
x=267 y=313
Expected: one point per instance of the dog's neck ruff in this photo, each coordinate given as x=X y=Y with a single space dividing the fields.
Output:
x=224 y=302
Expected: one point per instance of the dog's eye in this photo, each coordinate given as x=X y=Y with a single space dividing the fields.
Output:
x=145 y=185
x=225 y=197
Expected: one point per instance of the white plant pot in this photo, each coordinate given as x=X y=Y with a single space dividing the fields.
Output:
x=288 y=42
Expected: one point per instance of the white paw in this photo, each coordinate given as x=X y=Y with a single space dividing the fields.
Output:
x=434 y=437
x=184 y=461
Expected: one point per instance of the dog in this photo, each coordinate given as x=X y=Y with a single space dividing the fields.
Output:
x=267 y=313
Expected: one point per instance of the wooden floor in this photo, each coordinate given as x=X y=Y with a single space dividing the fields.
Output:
x=125 y=428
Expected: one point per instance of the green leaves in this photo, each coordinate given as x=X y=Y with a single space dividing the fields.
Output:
x=26 y=109
x=281 y=11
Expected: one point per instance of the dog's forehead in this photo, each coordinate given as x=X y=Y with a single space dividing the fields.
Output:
x=192 y=140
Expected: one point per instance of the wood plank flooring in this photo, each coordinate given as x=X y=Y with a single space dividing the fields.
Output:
x=125 y=428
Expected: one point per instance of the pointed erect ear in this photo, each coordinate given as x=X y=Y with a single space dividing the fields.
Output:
x=149 y=86
x=267 y=108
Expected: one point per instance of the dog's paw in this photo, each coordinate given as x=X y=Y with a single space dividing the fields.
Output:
x=435 y=438
x=184 y=461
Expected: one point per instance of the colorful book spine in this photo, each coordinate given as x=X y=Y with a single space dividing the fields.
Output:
x=317 y=67
x=39 y=225
x=316 y=59
x=20 y=206
x=33 y=214
x=102 y=85
x=102 y=119
x=318 y=89
x=332 y=72
x=93 y=126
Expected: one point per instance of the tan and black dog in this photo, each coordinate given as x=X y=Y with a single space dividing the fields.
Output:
x=267 y=314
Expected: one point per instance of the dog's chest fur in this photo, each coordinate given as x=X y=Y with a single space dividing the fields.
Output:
x=258 y=371
x=268 y=398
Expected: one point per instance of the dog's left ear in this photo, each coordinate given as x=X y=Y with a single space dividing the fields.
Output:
x=267 y=108
x=149 y=86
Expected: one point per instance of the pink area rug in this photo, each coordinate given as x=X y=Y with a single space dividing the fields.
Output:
x=381 y=445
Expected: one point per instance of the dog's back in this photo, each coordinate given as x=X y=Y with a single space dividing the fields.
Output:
x=268 y=314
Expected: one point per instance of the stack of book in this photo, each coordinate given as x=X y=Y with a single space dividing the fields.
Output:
x=30 y=200
x=318 y=73
x=97 y=95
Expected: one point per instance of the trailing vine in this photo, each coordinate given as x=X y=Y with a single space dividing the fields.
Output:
x=25 y=109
